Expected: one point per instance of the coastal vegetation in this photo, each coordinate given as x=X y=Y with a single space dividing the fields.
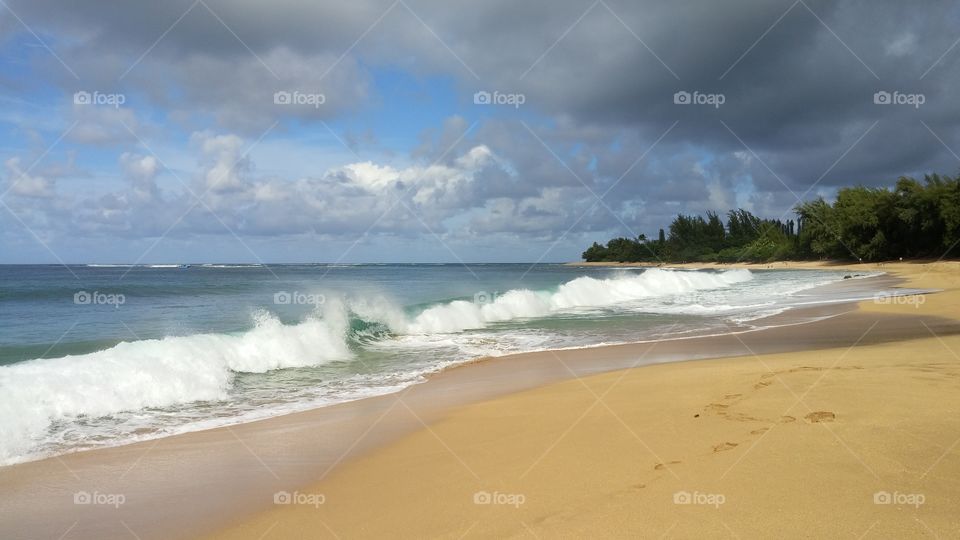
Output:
x=914 y=219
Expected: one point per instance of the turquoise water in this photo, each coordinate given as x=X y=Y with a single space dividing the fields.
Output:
x=102 y=355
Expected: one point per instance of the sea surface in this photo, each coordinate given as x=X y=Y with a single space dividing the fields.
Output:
x=101 y=355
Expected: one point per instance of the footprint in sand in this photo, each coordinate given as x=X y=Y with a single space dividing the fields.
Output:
x=820 y=416
x=741 y=417
x=661 y=466
x=722 y=447
x=760 y=431
x=732 y=396
x=804 y=368
x=787 y=419
x=761 y=384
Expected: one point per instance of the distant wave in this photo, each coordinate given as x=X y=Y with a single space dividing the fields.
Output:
x=132 y=265
x=210 y=265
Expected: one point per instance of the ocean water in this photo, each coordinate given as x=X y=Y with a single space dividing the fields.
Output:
x=104 y=355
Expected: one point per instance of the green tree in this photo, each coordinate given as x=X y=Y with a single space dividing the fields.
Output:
x=914 y=219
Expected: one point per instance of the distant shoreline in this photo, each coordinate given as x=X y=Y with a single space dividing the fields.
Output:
x=807 y=265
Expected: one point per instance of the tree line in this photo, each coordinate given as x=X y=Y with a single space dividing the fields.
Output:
x=913 y=220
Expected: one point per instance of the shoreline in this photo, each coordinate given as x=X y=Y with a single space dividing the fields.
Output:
x=763 y=445
x=274 y=455
x=747 y=326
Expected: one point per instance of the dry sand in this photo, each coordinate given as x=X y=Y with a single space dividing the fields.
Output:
x=860 y=441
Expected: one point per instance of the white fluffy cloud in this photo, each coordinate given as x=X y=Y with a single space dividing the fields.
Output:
x=339 y=202
x=141 y=172
x=24 y=184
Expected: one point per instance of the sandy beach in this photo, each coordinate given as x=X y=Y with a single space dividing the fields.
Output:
x=809 y=429
x=854 y=441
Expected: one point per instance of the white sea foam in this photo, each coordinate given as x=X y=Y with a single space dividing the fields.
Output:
x=41 y=394
x=582 y=292
x=154 y=373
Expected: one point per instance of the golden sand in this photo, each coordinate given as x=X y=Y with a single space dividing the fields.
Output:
x=860 y=442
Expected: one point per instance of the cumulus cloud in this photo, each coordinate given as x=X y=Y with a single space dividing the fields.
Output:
x=141 y=171
x=225 y=165
x=227 y=192
x=23 y=184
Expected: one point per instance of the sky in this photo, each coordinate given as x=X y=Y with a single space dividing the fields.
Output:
x=437 y=131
